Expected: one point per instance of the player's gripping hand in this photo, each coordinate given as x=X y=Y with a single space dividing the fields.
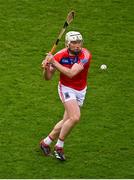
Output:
x=47 y=62
x=45 y=65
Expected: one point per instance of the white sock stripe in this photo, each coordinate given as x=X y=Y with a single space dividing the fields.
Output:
x=60 y=143
x=47 y=140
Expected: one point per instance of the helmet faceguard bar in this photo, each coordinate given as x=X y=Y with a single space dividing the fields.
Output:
x=76 y=37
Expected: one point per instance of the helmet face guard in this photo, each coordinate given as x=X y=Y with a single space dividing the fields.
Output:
x=72 y=36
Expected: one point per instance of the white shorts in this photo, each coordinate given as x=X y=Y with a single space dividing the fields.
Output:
x=67 y=93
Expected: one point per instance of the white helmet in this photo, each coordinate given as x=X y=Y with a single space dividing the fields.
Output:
x=72 y=36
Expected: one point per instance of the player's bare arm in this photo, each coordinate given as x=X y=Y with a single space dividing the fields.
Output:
x=76 y=68
x=48 y=69
x=48 y=73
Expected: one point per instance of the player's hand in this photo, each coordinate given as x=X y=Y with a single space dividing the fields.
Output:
x=47 y=61
x=45 y=64
x=49 y=58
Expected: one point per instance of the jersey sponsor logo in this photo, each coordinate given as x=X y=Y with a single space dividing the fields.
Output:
x=69 y=60
x=84 y=61
x=65 y=61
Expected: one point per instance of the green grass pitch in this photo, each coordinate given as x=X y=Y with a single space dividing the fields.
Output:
x=102 y=144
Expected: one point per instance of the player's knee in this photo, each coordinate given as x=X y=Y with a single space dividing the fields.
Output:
x=75 y=118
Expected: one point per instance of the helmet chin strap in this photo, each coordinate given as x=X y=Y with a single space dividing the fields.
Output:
x=74 y=52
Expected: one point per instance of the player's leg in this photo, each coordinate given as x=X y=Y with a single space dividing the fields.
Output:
x=73 y=112
x=54 y=134
x=45 y=143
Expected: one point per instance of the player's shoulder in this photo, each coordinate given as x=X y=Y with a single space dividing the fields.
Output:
x=62 y=52
x=87 y=54
x=86 y=51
